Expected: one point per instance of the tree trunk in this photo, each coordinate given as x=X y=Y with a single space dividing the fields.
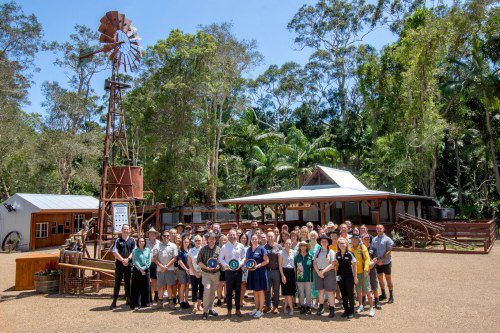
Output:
x=491 y=144
x=5 y=190
x=459 y=174
x=432 y=174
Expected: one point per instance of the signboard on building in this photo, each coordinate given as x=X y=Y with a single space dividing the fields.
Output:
x=121 y=215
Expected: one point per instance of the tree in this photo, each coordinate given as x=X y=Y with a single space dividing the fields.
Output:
x=276 y=92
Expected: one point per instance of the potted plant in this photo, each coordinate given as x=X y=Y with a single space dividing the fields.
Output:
x=47 y=281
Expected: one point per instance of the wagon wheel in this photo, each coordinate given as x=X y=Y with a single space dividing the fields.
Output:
x=414 y=230
x=13 y=237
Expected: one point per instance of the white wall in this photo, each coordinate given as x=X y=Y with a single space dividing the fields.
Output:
x=19 y=220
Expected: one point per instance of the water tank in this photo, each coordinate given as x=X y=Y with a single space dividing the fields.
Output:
x=125 y=182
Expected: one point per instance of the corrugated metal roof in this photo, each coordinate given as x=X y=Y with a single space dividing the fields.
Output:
x=347 y=186
x=60 y=202
x=343 y=178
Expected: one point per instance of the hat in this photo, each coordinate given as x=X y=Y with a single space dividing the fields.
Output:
x=210 y=234
x=301 y=243
x=180 y=224
x=200 y=229
x=320 y=238
x=152 y=230
x=331 y=225
x=356 y=237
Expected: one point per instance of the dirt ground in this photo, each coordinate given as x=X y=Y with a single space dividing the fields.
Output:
x=433 y=293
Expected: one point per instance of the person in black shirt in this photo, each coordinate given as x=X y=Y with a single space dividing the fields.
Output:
x=122 y=251
x=347 y=277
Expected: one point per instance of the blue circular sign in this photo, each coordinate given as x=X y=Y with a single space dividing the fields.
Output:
x=212 y=263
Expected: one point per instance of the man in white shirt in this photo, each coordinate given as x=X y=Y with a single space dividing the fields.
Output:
x=233 y=250
x=165 y=255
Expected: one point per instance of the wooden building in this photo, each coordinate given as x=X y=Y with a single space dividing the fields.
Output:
x=43 y=220
x=334 y=195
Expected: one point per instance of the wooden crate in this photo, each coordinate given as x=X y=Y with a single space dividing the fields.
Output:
x=28 y=265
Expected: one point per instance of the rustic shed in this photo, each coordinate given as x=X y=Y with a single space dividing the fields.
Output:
x=43 y=220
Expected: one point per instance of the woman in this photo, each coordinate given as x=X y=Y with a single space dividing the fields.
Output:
x=276 y=231
x=222 y=277
x=304 y=235
x=178 y=242
x=304 y=269
x=141 y=257
x=257 y=277
x=284 y=237
x=325 y=276
x=195 y=275
x=347 y=277
x=244 y=241
x=182 y=259
x=313 y=248
x=355 y=231
x=334 y=237
x=286 y=264
x=151 y=242
x=294 y=236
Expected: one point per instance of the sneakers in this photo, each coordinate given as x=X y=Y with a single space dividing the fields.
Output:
x=382 y=297
x=391 y=300
x=205 y=315
x=344 y=314
x=266 y=309
x=254 y=311
x=308 y=310
x=302 y=310
x=360 y=309
x=274 y=310
x=219 y=302
x=378 y=306
x=332 y=313
x=213 y=313
x=285 y=311
x=372 y=312
x=238 y=313
x=113 y=305
x=258 y=314
x=290 y=313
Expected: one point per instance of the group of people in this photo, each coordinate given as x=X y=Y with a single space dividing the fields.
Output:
x=311 y=268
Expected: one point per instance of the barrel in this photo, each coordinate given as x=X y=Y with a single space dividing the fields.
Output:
x=47 y=284
x=125 y=182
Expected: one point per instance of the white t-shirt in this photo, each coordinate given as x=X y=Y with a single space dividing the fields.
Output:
x=193 y=254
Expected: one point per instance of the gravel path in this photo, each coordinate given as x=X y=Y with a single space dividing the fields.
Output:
x=433 y=293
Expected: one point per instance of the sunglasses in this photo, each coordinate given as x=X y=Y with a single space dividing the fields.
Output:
x=167 y=235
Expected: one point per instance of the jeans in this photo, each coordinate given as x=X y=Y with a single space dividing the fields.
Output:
x=210 y=282
x=140 y=288
x=233 y=283
x=196 y=288
x=125 y=273
x=305 y=293
x=273 y=282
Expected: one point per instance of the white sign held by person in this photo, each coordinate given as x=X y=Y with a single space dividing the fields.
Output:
x=120 y=215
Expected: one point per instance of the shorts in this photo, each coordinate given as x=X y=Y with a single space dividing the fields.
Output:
x=183 y=277
x=373 y=280
x=153 y=271
x=363 y=284
x=166 y=279
x=386 y=269
x=328 y=283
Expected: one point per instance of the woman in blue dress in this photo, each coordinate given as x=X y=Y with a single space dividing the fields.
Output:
x=257 y=277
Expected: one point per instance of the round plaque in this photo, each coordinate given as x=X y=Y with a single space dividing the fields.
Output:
x=251 y=263
x=234 y=264
x=212 y=263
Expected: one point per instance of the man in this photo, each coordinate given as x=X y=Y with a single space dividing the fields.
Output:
x=164 y=256
x=373 y=270
x=383 y=245
x=233 y=250
x=273 y=274
x=122 y=251
x=254 y=225
x=179 y=228
x=217 y=231
x=209 y=276
x=344 y=232
x=187 y=233
x=348 y=224
x=363 y=268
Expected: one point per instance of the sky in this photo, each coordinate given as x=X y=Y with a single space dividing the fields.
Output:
x=262 y=20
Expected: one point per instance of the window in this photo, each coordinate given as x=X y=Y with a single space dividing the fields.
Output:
x=53 y=227
x=78 y=222
x=42 y=230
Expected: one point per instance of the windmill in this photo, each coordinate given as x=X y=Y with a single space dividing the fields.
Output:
x=121 y=182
